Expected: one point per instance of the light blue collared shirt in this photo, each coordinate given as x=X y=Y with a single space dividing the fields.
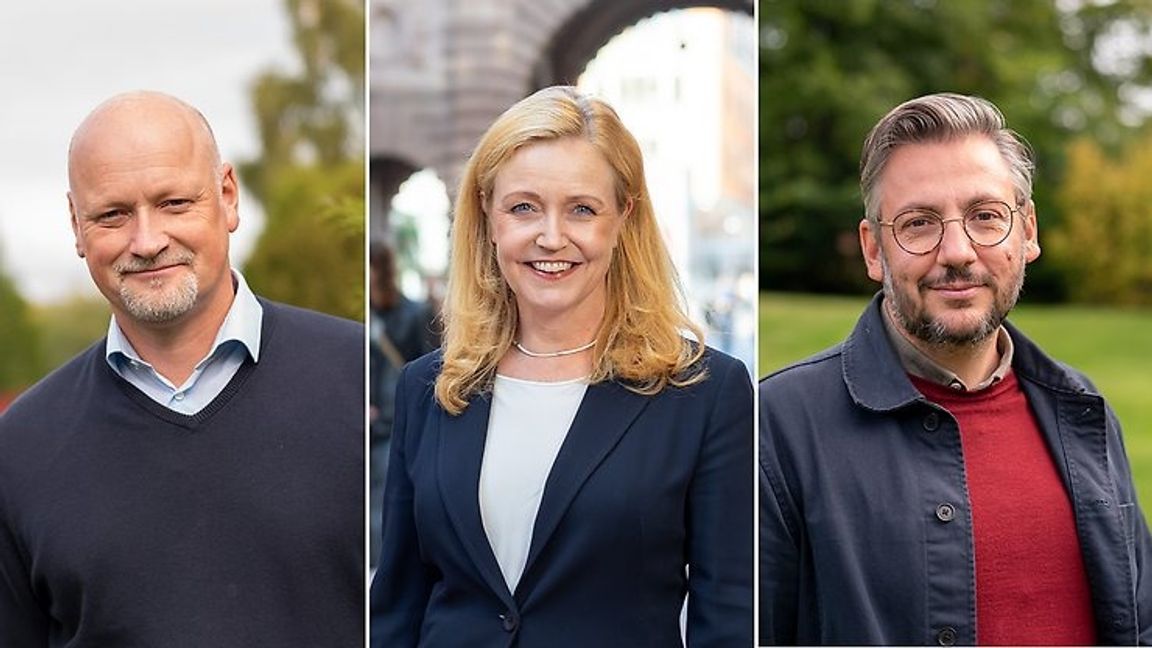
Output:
x=238 y=338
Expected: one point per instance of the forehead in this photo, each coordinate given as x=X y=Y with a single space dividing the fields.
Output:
x=955 y=171
x=568 y=163
x=128 y=139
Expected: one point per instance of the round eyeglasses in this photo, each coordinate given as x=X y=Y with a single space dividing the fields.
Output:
x=919 y=231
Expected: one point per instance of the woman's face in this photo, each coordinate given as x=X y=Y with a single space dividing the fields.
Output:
x=554 y=220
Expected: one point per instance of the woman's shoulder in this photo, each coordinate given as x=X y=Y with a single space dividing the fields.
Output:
x=423 y=370
x=717 y=364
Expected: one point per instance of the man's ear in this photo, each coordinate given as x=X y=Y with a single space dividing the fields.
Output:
x=78 y=239
x=870 y=245
x=230 y=196
x=1031 y=232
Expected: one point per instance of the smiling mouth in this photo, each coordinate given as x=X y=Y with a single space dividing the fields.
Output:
x=955 y=287
x=552 y=267
x=150 y=270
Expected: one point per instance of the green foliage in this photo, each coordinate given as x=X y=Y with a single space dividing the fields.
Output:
x=315 y=257
x=20 y=362
x=68 y=327
x=310 y=174
x=1110 y=345
x=1106 y=242
x=829 y=69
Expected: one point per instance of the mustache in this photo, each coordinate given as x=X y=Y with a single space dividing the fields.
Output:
x=139 y=264
x=954 y=275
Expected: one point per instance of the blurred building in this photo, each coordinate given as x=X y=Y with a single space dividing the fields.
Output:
x=694 y=115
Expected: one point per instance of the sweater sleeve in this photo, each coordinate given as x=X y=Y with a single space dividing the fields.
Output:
x=720 y=523
x=22 y=621
x=402 y=585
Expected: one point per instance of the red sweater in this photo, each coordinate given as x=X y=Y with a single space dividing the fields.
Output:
x=1030 y=580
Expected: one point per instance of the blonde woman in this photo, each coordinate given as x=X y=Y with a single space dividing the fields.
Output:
x=569 y=466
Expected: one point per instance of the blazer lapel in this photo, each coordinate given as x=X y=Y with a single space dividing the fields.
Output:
x=461 y=451
x=607 y=411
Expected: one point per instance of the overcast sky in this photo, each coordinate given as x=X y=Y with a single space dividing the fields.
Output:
x=58 y=61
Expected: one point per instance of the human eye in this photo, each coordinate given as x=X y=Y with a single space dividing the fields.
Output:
x=990 y=216
x=110 y=217
x=917 y=222
x=583 y=210
x=522 y=208
x=176 y=204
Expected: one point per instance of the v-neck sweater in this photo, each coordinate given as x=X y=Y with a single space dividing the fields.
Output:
x=124 y=523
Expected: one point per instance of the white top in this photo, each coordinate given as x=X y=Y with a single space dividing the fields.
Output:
x=526 y=427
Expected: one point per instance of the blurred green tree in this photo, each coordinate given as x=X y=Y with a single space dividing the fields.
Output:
x=68 y=326
x=829 y=69
x=310 y=173
x=1106 y=239
x=20 y=362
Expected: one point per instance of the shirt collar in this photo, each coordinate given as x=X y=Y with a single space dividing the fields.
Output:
x=241 y=325
x=917 y=363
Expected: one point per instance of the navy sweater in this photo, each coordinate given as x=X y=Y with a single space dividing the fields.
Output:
x=123 y=523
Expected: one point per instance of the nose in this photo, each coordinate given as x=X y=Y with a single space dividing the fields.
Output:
x=956 y=249
x=552 y=234
x=149 y=235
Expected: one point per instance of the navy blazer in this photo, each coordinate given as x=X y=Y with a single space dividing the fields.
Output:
x=643 y=487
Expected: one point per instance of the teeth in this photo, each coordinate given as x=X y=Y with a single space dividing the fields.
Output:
x=551 y=266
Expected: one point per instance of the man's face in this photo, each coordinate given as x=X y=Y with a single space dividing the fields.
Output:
x=959 y=293
x=151 y=212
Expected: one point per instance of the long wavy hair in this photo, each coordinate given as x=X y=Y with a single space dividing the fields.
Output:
x=640 y=340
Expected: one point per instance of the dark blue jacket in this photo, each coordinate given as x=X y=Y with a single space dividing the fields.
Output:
x=854 y=463
x=642 y=487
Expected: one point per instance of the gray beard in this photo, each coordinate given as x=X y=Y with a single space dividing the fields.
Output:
x=160 y=307
x=934 y=332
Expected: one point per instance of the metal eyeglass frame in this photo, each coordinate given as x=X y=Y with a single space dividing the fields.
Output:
x=963 y=220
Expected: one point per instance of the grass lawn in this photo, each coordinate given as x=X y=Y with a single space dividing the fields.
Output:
x=1113 y=346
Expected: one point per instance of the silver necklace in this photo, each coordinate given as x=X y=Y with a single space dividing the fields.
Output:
x=552 y=354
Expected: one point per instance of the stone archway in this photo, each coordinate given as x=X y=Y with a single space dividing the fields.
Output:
x=442 y=70
x=575 y=42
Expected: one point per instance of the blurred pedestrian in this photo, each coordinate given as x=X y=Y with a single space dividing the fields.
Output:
x=399 y=330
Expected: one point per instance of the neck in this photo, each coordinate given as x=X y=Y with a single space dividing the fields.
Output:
x=174 y=348
x=549 y=336
x=972 y=363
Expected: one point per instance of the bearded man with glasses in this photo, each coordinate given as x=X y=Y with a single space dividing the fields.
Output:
x=936 y=478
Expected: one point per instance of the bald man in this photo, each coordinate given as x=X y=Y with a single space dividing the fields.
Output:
x=196 y=477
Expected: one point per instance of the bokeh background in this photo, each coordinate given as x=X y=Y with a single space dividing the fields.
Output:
x=1074 y=77
x=281 y=82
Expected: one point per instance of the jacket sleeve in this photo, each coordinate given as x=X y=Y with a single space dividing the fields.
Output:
x=720 y=527
x=779 y=546
x=1143 y=578
x=1141 y=541
x=402 y=583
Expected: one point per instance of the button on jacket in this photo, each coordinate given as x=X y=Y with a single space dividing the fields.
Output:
x=865 y=524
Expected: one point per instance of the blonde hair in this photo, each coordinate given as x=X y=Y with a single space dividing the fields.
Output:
x=640 y=339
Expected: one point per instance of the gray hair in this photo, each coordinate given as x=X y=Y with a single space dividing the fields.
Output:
x=938 y=118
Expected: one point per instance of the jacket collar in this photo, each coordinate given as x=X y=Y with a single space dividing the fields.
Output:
x=876 y=379
x=872 y=371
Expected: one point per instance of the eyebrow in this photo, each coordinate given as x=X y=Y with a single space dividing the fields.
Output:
x=980 y=198
x=525 y=193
